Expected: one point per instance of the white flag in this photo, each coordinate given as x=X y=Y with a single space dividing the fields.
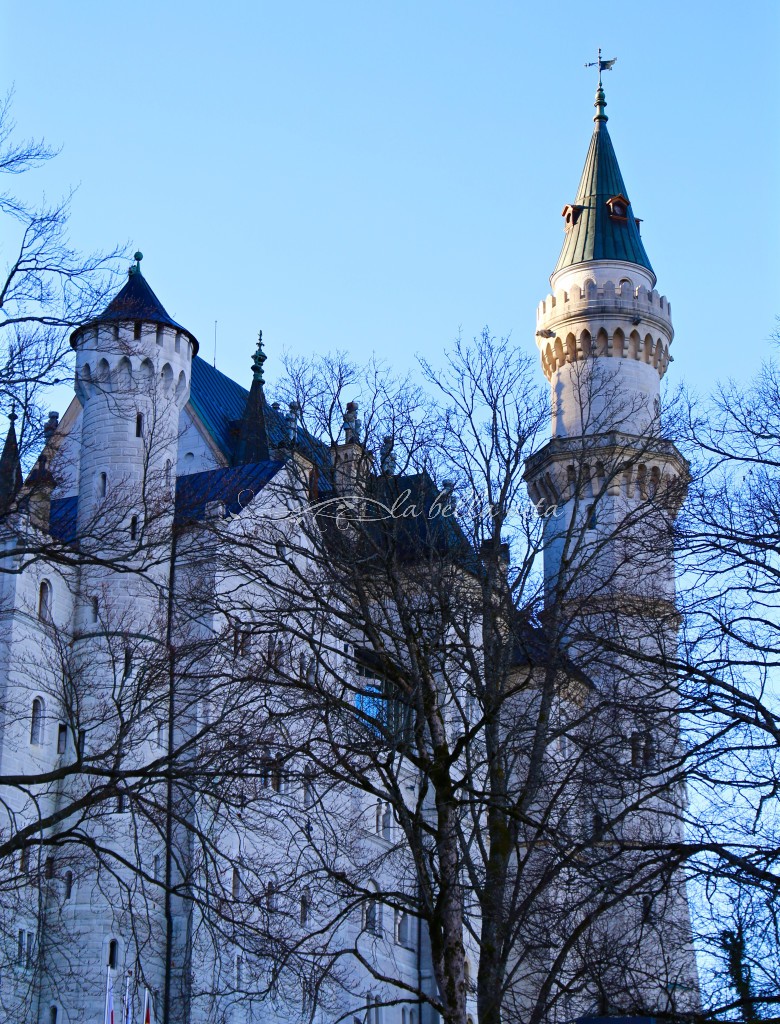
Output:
x=109 y=1018
x=127 y=1014
x=148 y=1008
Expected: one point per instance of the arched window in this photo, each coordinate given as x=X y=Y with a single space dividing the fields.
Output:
x=68 y=879
x=113 y=954
x=304 y=918
x=44 y=601
x=598 y=827
x=271 y=895
x=36 y=722
x=373 y=911
x=133 y=527
x=308 y=786
x=649 y=753
x=139 y=424
x=102 y=485
x=53 y=1015
x=95 y=609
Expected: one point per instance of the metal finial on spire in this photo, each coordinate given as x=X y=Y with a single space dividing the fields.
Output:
x=12 y=414
x=601 y=102
x=602 y=65
x=137 y=256
x=258 y=359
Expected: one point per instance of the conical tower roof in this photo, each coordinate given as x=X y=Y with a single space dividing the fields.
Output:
x=601 y=224
x=136 y=301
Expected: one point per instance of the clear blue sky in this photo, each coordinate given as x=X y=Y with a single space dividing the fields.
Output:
x=376 y=175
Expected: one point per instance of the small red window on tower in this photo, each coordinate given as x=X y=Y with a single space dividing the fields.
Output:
x=618 y=207
x=571 y=214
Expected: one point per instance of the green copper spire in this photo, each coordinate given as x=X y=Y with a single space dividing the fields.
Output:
x=600 y=223
x=258 y=359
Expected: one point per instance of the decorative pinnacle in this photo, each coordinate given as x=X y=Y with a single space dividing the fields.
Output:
x=138 y=256
x=258 y=359
x=600 y=103
x=12 y=414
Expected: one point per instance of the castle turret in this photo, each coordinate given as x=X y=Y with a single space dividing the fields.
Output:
x=609 y=484
x=133 y=366
x=604 y=335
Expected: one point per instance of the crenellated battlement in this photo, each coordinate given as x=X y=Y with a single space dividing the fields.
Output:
x=616 y=297
x=604 y=320
x=638 y=471
x=141 y=360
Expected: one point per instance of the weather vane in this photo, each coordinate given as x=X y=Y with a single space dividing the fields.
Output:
x=603 y=65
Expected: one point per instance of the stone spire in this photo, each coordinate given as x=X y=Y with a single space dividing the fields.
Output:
x=600 y=223
x=10 y=467
x=252 y=442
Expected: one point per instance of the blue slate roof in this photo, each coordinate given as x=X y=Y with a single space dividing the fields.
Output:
x=136 y=301
x=235 y=486
x=220 y=403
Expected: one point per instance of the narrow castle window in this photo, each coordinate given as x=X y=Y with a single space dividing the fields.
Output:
x=62 y=738
x=48 y=868
x=68 y=884
x=128 y=663
x=44 y=601
x=235 y=884
x=113 y=954
x=304 y=916
x=160 y=334
x=133 y=527
x=53 y=1015
x=177 y=343
x=102 y=485
x=36 y=722
x=591 y=519
x=308 y=787
x=137 y=330
x=139 y=424
x=95 y=609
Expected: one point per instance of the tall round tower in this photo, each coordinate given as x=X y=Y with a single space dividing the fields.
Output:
x=609 y=484
x=133 y=366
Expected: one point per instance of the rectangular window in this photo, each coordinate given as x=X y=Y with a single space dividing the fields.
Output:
x=62 y=738
x=137 y=330
x=157 y=867
x=82 y=741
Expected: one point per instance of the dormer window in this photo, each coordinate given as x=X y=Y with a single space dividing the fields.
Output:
x=618 y=207
x=571 y=214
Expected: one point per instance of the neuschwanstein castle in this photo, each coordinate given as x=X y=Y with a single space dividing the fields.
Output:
x=128 y=587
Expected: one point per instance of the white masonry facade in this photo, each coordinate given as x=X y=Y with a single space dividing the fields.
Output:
x=77 y=630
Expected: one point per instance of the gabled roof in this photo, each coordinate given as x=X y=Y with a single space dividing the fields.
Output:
x=234 y=486
x=597 y=234
x=136 y=301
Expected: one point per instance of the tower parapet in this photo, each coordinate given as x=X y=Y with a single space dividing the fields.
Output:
x=611 y=318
